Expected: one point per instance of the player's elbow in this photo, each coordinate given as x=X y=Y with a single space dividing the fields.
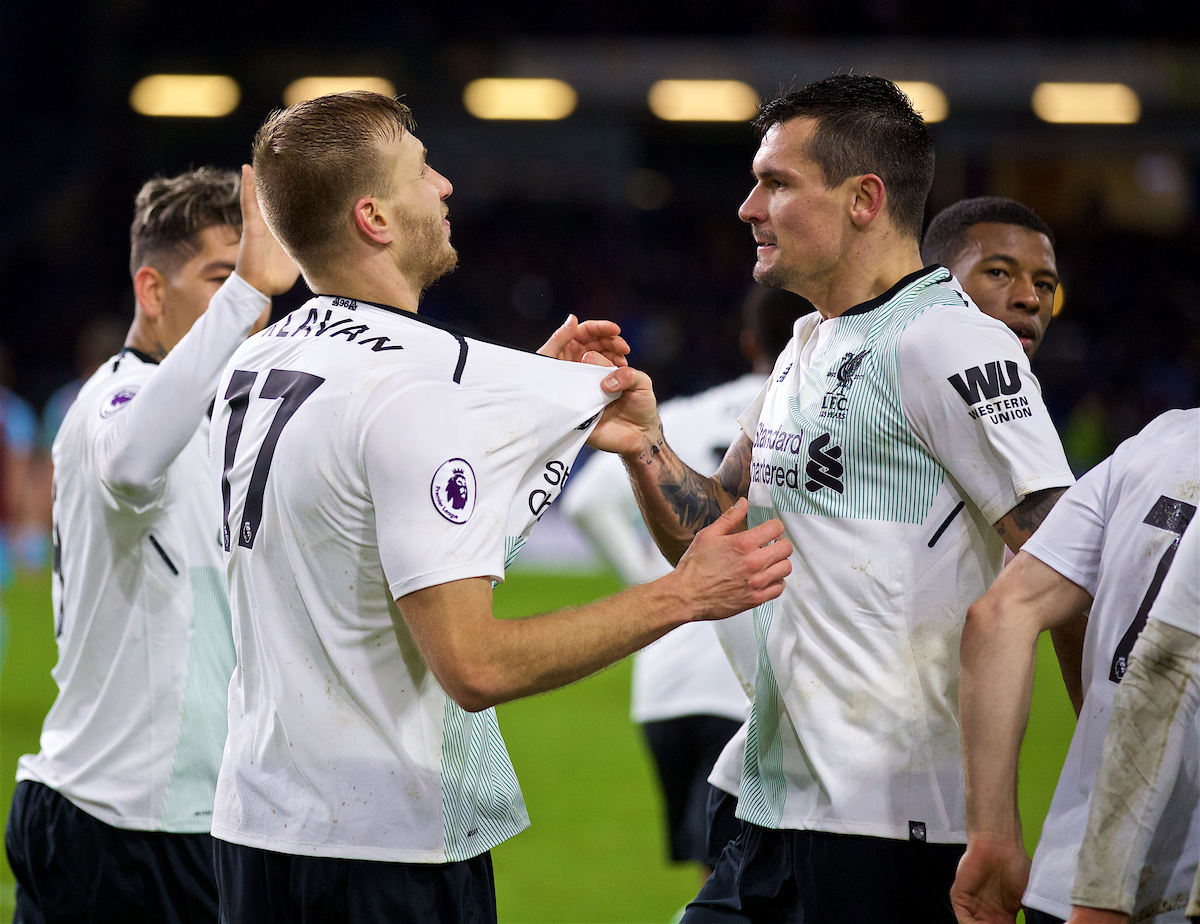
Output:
x=125 y=478
x=476 y=685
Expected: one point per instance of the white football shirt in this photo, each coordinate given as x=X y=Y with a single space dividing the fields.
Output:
x=686 y=672
x=141 y=617
x=364 y=453
x=889 y=440
x=1116 y=535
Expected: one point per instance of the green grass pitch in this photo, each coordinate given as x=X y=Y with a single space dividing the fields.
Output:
x=596 y=850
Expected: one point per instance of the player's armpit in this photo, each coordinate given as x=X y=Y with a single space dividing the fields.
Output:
x=1016 y=526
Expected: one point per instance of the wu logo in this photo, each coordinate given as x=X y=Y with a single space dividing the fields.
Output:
x=823 y=469
x=989 y=380
x=847 y=372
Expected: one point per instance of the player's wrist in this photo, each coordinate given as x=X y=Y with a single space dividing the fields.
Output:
x=651 y=449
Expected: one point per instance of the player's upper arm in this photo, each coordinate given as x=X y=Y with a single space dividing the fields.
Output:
x=449 y=623
x=968 y=393
x=1032 y=593
x=733 y=474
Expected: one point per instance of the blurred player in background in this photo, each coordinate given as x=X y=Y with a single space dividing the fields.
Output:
x=378 y=471
x=903 y=441
x=685 y=695
x=1150 y=752
x=1108 y=545
x=110 y=820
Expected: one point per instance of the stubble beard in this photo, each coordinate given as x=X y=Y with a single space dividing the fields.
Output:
x=429 y=255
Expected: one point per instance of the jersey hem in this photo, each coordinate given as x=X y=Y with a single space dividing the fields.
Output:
x=892 y=832
x=1048 y=558
x=1030 y=486
x=350 y=852
x=113 y=820
x=1046 y=905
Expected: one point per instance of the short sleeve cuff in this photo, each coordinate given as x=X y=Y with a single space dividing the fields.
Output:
x=411 y=585
x=1047 y=557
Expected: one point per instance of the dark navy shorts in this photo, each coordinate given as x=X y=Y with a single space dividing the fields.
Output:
x=723 y=824
x=770 y=876
x=1033 y=916
x=264 y=887
x=70 y=866
x=685 y=750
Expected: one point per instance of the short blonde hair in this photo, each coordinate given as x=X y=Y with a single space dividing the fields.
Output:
x=314 y=160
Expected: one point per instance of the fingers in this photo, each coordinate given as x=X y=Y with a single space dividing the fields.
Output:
x=249 y=199
x=560 y=338
x=596 y=359
x=730 y=521
x=624 y=378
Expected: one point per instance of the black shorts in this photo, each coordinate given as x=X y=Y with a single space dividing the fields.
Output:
x=1033 y=916
x=723 y=824
x=264 y=887
x=773 y=876
x=685 y=750
x=70 y=866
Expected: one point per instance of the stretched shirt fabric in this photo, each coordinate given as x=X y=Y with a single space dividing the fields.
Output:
x=889 y=440
x=362 y=453
x=141 y=616
x=686 y=672
x=1116 y=534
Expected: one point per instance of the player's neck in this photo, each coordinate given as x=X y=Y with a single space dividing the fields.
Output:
x=148 y=338
x=366 y=280
x=863 y=275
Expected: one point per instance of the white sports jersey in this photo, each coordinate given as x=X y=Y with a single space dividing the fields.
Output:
x=1178 y=602
x=364 y=453
x=889 y=440
x=1115 y=534
x=685 y=672
x=141 y=615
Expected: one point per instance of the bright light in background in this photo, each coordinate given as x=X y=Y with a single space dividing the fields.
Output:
x=703 y=100
x=927 y=98
x=197 y=95
x=311 y=87
x=1060 y=299
x=1097 y=103
x=519 y=98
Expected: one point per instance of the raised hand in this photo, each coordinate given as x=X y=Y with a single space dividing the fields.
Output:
x=630 y=424
x=990 y=881
x=261 y=261
x=573 y=340
x=729 y=569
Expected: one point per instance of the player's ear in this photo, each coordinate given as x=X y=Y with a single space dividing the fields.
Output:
x=149 y=287
x=371 y=221
x=868 y=199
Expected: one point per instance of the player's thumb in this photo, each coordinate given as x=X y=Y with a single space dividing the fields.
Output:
x=731 y=520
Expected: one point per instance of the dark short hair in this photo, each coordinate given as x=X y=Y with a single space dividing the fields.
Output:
x=947 y=233
x=169 y=212
x=864 y=125
x=314 y=160
x=770 y=314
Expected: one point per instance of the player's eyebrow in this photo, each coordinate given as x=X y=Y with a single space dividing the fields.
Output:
x=217 y=266
x=1011 y=260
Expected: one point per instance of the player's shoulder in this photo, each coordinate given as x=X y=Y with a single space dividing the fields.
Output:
x=951 y=331
x=1171 y=437
x=114 y=384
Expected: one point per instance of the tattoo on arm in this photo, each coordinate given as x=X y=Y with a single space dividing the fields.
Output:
x=693 y=499
x=1019 y=524
x=734 y=473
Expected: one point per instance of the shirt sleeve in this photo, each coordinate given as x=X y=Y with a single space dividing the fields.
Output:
x=134 y=448
x=968 y=393
x=447 y=466
x=1071 y=537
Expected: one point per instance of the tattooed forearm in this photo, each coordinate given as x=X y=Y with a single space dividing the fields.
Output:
x=1020 y=523
x=693 y=499
x=734 y=473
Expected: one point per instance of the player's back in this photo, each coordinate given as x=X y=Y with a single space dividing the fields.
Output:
x=363 y=454
x=1136 y=505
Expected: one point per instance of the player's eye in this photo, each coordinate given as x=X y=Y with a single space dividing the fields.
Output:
x=996 y=272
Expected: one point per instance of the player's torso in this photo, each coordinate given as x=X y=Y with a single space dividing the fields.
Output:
x=142 y=625
x=862 y=647
x=1152 y=498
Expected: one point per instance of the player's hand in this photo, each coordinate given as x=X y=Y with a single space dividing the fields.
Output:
x=1082 y=915
x=990 y=882
x=261 y=261
x=630 y=424
x=729 y=569
x=574 y=340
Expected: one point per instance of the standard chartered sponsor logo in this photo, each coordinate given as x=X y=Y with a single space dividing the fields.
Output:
x=780 y=440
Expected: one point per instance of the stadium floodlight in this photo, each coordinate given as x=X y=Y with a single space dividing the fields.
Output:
x=1096 y=103
x=927 y=98
x=206 y=96
x=311 y=87
x=531 y=98
x=703 y=100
